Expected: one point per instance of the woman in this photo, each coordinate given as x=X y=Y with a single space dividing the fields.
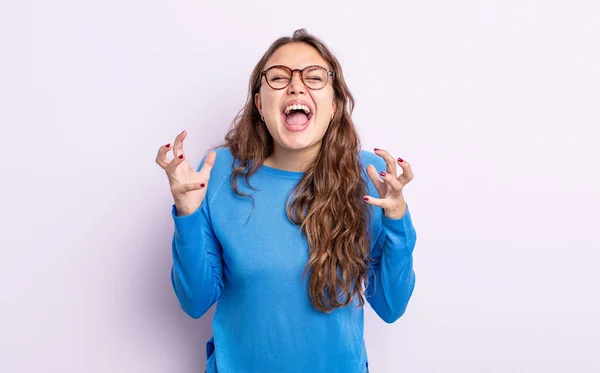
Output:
x=280 y=223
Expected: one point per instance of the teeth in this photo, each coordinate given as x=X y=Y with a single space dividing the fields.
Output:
x=297 y=107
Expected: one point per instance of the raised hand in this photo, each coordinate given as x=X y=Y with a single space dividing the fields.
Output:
x=187 y=186
x=391 y=198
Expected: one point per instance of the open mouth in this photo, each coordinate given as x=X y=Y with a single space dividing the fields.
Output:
x=296 y=117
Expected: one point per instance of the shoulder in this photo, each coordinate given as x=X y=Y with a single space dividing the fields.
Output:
x=221 y=170
x=368 y=157
x=224 y=154
x=223 y=160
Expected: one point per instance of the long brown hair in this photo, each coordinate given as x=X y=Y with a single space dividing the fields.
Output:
x=327 y=203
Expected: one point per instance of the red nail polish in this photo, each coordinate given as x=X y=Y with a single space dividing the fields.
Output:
x=181 y=156
x=376 y=149
x=366 y=198
x=400 y=160
x=168 y=146
x=382 y=173
x=202 y=185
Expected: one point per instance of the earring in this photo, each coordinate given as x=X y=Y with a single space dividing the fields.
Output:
x=262 y=117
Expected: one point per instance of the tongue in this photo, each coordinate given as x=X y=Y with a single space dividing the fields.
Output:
x=297 y=119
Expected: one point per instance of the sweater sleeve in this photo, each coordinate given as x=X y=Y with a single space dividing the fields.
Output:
x=391 y=274
x=197 y=271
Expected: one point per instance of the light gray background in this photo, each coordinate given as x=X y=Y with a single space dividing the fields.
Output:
x=494 y=103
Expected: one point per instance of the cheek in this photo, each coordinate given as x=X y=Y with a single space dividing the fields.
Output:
x=324 y=104
x=270 y=103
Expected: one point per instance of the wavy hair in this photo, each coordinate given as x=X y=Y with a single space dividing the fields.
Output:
x=327 y=203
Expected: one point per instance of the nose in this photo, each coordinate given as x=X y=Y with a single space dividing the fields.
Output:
x=296 y=85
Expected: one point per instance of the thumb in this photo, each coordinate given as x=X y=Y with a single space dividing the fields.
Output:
x=380 y=202
x=192 y=186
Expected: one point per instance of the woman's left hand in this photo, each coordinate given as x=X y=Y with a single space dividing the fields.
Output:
x=390 y=198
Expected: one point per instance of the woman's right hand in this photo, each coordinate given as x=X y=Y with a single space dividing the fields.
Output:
x=187 y=186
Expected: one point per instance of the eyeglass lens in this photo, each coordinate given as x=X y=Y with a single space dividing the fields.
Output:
x=315 y=77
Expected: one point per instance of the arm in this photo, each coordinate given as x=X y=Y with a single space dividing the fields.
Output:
x=391 y=275
x=197 y=271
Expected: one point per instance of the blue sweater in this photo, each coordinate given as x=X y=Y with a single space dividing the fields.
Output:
x=264 y=321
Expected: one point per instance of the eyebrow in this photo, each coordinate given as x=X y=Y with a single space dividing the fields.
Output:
x=310 y=65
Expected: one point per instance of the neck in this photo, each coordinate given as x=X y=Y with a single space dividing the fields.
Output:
x=292 y=160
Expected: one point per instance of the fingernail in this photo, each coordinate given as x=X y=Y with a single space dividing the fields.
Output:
x=400 y=160
x=202 y=185
x=376 y=149
x=366 y=198
x=181 y=156
x=182 y=132
x=382 y=173
x=168 y=145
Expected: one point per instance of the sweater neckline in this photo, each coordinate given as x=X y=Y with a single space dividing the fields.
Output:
x=284 y=174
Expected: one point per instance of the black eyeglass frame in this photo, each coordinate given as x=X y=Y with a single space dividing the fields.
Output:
x=292 y=71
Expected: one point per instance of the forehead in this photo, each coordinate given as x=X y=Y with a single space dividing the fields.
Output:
x=296 y=56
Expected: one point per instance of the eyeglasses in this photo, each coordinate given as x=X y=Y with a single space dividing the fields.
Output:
x=314 y=77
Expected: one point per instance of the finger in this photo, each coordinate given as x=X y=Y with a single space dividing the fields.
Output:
x=389 y=160
x=374 y=176
x=209 y=162
x=188 y=187
x=392 y=181
x=381 y=202
x=174 y=163
x=178 y=144
x=407 y=172
x=161 y=158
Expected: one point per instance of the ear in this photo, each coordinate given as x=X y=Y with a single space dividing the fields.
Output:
x=333 y=105
x=258 y=103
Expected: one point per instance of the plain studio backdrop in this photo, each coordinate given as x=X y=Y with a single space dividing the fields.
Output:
x=494 y=103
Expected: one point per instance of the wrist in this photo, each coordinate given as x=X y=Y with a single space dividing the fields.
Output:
x=182 y=211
